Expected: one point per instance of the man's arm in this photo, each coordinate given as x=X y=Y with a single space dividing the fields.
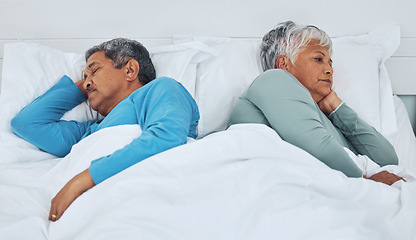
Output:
x=71 y=191
x=39 y=122
x=168 y=114
x=165 y=116
x=291 y=111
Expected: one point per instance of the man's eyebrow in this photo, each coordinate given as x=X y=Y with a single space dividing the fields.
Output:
x=92 y=65
x=89 y=67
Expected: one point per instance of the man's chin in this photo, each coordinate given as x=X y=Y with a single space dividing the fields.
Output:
x=92 y=106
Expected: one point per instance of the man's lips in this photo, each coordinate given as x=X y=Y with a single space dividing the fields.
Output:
x=89 y=91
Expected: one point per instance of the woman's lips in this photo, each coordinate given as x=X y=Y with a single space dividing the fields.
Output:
x=326 y=80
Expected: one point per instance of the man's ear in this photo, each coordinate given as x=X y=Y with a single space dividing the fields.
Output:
x=132 y=70
x=282 y=62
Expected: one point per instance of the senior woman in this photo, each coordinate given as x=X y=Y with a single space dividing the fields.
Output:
x=294 y=96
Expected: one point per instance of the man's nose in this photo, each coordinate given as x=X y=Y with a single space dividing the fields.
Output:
x=87 y=83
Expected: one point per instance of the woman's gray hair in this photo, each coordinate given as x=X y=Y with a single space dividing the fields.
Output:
x=287 y=39
x=121 y=51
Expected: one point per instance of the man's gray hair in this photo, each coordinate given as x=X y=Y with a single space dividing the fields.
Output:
x=287 y=39
x=121 y=51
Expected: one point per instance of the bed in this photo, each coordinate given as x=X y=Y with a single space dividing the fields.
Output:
x=243 y=182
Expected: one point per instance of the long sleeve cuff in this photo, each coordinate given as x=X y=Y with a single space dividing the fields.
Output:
x=335 y=109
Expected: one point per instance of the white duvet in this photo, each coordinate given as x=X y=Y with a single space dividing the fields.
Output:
x=243 y=183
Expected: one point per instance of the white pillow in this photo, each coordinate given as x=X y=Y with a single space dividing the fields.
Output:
x=222 y=79
x=360 y=78
x=180 y=62
x=30 y=69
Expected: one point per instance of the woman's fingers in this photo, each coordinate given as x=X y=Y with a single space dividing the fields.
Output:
x=386 y=177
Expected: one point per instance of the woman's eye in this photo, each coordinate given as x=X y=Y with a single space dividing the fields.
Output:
x=318 y=59
x=94 y=71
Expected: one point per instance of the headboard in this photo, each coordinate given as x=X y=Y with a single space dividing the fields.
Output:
x=74 y=26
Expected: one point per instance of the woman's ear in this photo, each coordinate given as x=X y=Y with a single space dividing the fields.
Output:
x=132 y=70
x=282 y=62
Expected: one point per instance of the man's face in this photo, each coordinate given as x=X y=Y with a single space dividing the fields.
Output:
x=103 y=83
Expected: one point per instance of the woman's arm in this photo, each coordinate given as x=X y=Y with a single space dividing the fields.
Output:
x=364 y=138
x=292 y=113
x=330 y=103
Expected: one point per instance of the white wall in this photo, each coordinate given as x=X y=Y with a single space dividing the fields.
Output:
x=163 y=18
x=77 y=24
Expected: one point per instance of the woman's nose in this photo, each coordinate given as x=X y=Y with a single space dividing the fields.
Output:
x=329 y=71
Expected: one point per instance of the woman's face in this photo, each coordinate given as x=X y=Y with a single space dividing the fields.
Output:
x=313 y=69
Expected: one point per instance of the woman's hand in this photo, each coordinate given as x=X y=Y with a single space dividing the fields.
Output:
x=80 y=85
x=71 y=191
x=329 y=103
x=385 y=177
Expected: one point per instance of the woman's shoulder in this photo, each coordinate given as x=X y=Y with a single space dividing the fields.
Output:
x=277 y=73
x=277 y=81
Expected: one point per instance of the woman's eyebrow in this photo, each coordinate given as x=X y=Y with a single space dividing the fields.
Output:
x=324 y=55
x=321 y=53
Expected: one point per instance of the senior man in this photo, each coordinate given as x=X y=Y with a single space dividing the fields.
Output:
x=119 y=82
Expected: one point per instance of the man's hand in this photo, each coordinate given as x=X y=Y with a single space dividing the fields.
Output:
x=385 y=177
x=71 y=191
x=329 y=103
x=80 y=85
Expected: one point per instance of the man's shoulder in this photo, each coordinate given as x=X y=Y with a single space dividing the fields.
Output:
x=161 y=86
x=165 y=85
x=163 y=81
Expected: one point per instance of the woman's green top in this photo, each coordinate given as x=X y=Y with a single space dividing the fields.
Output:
x=280 y=101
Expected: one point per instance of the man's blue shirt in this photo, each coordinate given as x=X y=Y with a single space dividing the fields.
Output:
x=164 y=109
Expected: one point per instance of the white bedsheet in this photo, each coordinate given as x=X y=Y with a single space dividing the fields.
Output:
x=404 y=140
x=243 y=183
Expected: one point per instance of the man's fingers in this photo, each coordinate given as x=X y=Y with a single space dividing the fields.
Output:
x=71 y=191
x=55 y=216
x=54 y=213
